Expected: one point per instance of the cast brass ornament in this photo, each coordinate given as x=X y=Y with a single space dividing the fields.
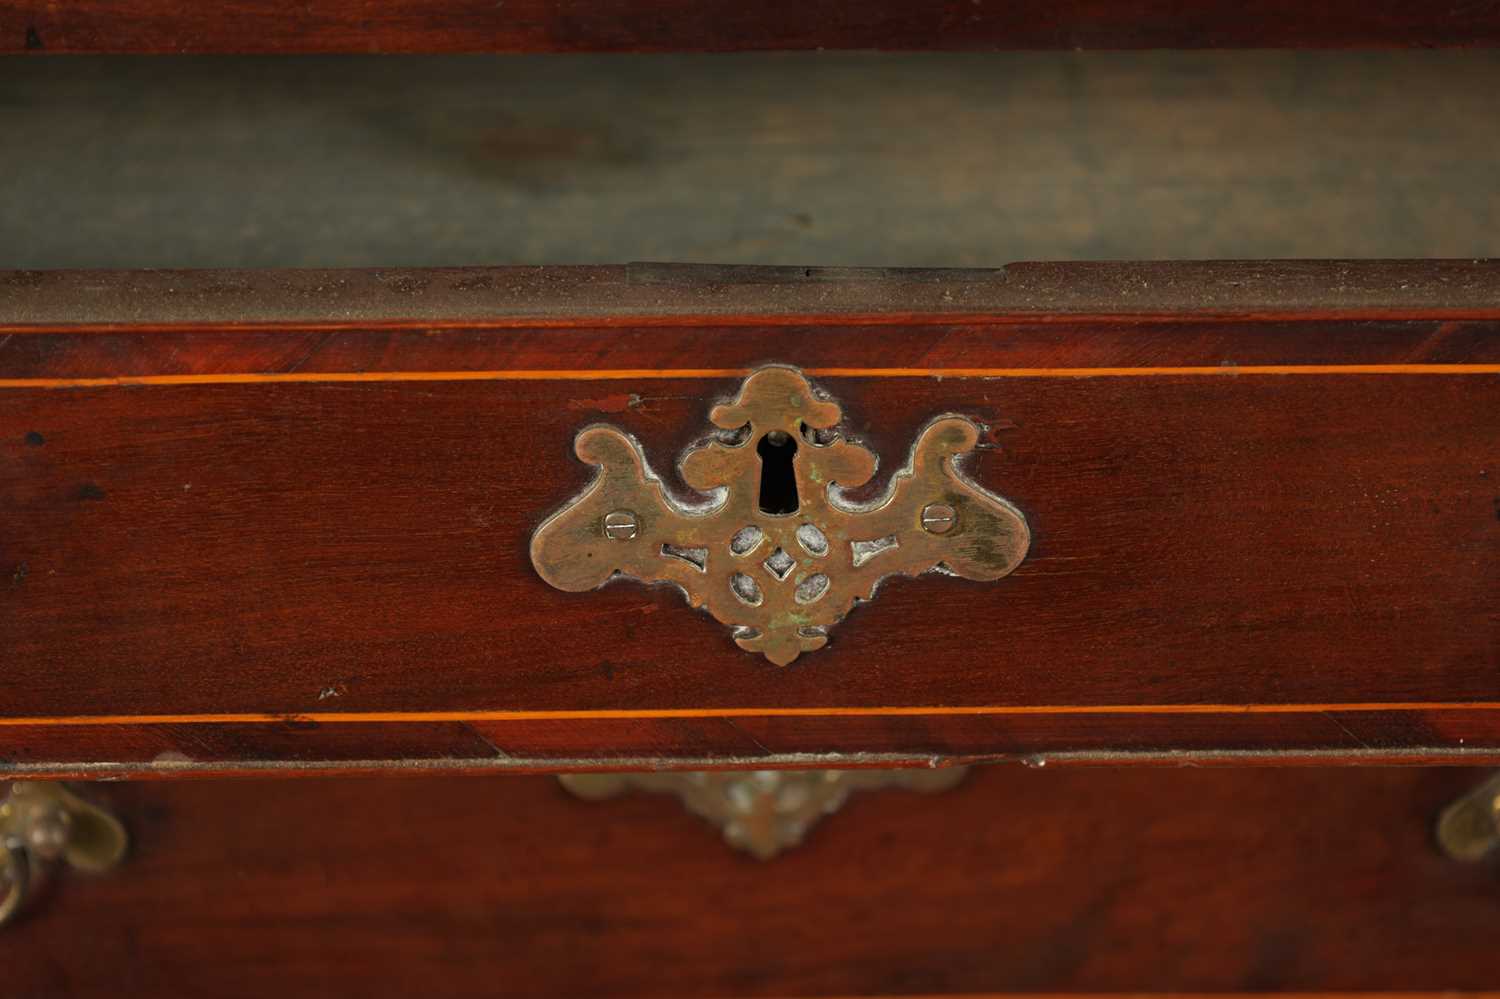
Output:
x=42 y=825
x=775 y=551
x=763 y=811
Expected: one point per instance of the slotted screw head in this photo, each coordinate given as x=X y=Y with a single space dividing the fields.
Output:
x=939 y=518
x=621 y=525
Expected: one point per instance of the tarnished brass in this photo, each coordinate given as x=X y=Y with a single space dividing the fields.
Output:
x=43 y=823
x=1469 y=829
x=763 y=811
x=781 y=571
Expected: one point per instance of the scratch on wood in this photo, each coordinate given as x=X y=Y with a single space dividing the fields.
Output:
x=315 y=349
x=758 y=744
x=499 y=753
x=608 y=404
x=1345 y=729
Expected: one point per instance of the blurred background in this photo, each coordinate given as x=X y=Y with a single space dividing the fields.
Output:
x=832 y=159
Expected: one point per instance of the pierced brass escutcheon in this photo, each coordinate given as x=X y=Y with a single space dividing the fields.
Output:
x=776 y=553
x=42 y=824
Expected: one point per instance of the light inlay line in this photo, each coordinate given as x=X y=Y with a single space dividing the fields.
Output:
x=632 y=374
x=370 y=717
x=1191 y=995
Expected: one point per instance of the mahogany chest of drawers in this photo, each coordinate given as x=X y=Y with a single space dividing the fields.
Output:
x=676 y=630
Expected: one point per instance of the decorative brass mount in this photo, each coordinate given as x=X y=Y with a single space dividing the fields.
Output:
x=776 y=553
x=763 y=811
x=42 y=823
x=1469 y=829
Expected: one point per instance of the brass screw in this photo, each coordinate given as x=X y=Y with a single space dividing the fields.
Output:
x=621 y=525
x=939 y=518
x=49 y=830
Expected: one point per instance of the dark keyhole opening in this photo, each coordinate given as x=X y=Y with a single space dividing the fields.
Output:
x=778 y=479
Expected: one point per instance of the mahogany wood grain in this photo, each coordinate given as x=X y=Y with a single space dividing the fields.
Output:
x=1073 y=882
x=367 y=26
x=1260 y=534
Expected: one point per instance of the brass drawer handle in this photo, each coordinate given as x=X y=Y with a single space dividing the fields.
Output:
x=1469 y=829
x=42 y=824
x=775 y=551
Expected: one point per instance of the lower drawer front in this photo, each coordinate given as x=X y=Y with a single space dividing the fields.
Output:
x=1017 y=880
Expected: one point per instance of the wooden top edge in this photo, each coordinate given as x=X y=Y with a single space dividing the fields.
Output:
x=170 y=768
x=680 y=293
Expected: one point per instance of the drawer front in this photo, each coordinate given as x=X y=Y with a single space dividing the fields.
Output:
x=1015 y=881
x=285 y=521
x=467 y=26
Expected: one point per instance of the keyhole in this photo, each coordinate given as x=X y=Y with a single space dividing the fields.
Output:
x=778 y=479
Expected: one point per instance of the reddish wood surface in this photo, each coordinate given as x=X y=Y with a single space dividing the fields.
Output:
x=724 y=25
x=1263 y=536
x=1074 y=882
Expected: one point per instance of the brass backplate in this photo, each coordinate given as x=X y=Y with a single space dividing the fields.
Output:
x=763 y=812
x=773 y=550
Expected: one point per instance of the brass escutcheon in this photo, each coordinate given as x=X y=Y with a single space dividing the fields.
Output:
x=775 y=551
